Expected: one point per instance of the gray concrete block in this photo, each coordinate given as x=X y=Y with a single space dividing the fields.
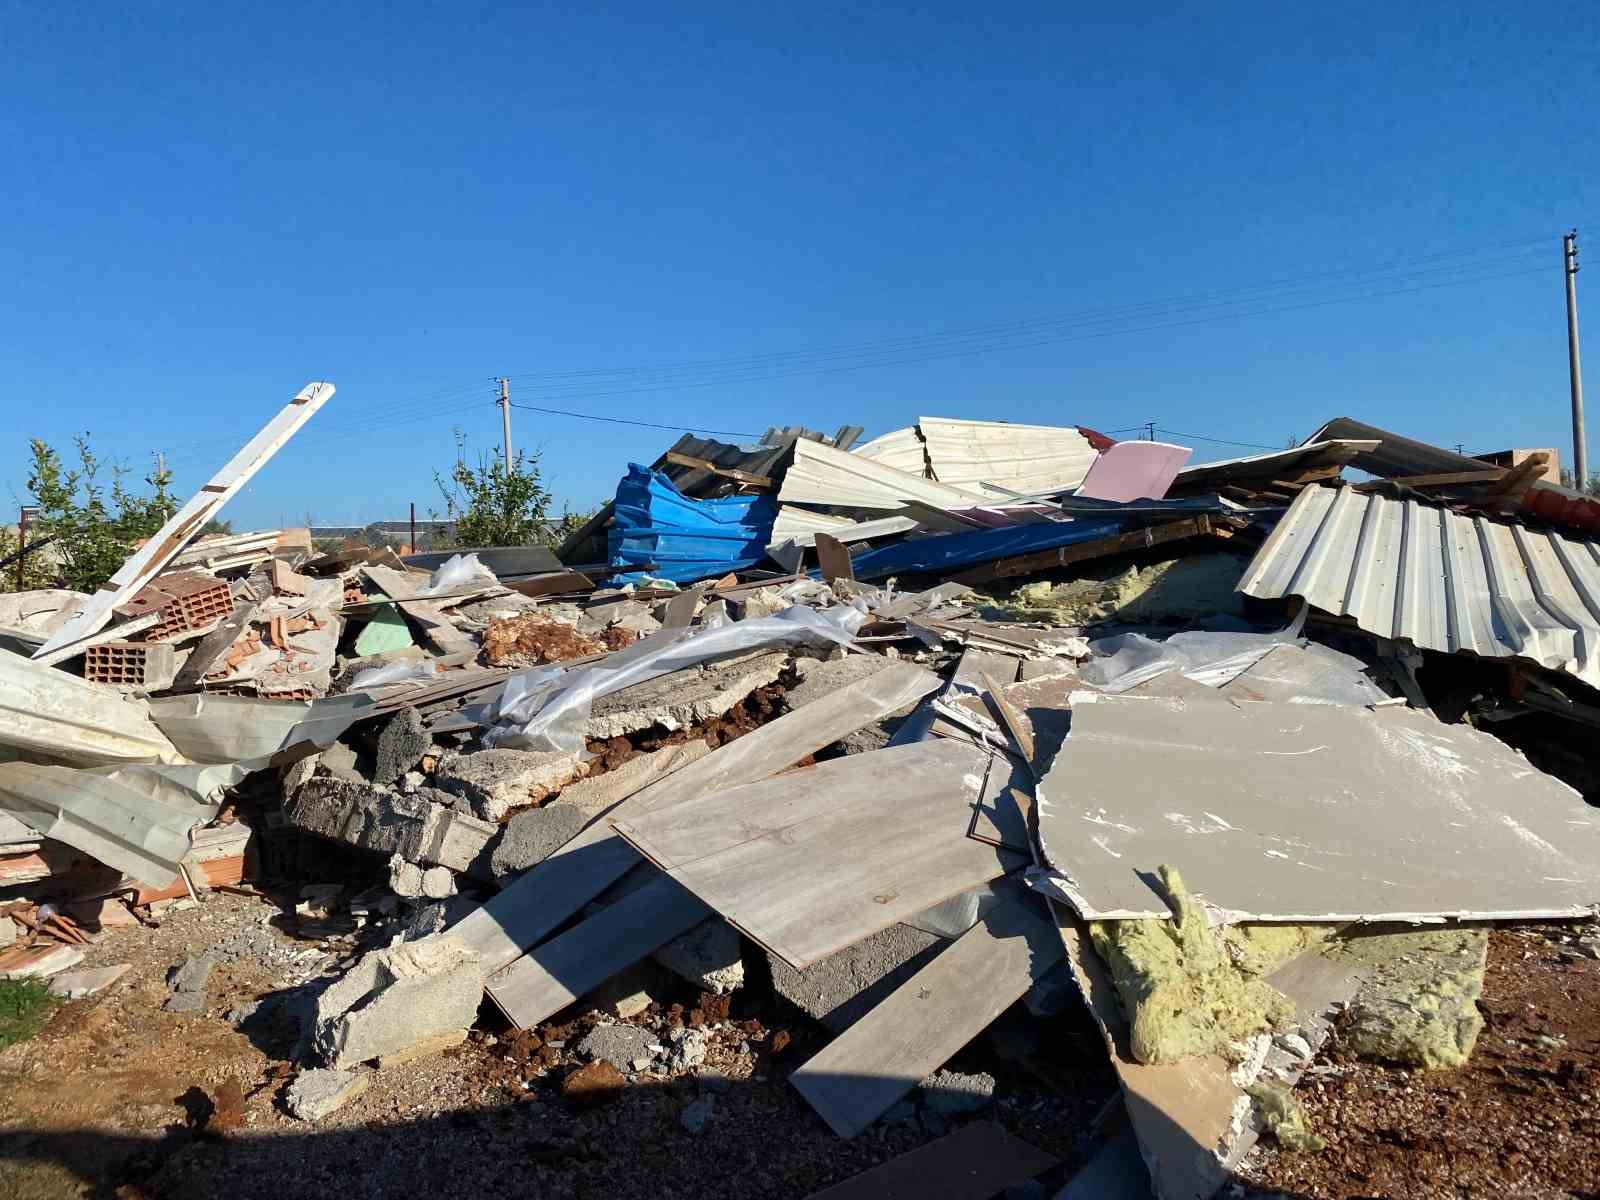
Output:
x=452 y=839
x=393 y=999
x=314 y=1094
x=684 y=698
x=359 y=814
x=532 y=836
x=952 y=1094
x=620 y=1045
x=844 y=987
x=187 y=982
x=339 y=761
x=817 y=678
x=497 y=781
x=401 y=746
x=706 y=956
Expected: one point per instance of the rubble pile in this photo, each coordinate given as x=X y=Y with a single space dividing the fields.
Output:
x=918 y=743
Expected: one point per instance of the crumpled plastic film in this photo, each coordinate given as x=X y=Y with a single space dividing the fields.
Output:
x=1210 y=657
x=458 y=573
x=548 y=707
x=395 y=672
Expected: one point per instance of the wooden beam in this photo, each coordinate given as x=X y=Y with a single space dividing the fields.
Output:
x=745 y=477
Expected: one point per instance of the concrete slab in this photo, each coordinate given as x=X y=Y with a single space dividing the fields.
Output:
x=844 y=987
x=684 y=698
x=497 y=781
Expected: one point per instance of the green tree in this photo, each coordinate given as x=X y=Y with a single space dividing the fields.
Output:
x=493 y=506
x=95 y=527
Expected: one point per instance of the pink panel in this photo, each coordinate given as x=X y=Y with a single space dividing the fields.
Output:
x=1134 y=471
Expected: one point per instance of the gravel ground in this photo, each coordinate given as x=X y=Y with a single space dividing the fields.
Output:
x=119 y=1098
x=1521 y=1119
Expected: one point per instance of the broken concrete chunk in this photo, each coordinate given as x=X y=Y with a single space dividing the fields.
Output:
x=619 y=1045
x=317 y=1093
x=395 y=998
x=79 y=985
x=403 y=744
x=424 y=1049
x=1420 y=1005
x=187 y=982
x=842 y=988
x=1182 y=993
x=952 y=1094
x=358 y=814
x=819 y=678
x=340 y=761
x=706 y=956
x=405 y=878
x=449 y=838
x=438 y=883
x=684 y=698
x=497 y=781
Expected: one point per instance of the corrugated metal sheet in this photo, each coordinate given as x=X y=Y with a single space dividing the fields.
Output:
x=661 y=533
x=801 y=526
x=1279 y=463
x=822 y=475
x=1446 y=582
x=1032 y=459
x=900 y=449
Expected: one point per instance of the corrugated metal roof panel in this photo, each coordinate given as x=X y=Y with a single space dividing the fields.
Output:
x=901 y=449
x=1032 y=459
x=1443 y=581
x=822 y=475
x=1306 y=457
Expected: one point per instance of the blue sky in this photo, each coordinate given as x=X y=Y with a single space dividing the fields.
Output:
x=730 y=216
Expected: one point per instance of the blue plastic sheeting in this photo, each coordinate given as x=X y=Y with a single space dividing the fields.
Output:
x=660 y=533
x=950 y=551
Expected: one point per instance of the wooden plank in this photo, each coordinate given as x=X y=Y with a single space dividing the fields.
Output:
x=866 y=1069
x=747 y=478
x=74 y=648
x=552 y=584
x=975 y=1162
x=214 y=645
x=818 y=859
x=543 y=898
x=1138 y=539
x=145 y=563
x=436 y=628
x=548 y=978
x=833 y=559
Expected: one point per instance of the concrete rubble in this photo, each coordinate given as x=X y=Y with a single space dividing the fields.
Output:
x=333 y=719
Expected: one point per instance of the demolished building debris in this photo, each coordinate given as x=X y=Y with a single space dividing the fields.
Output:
x=918 y=741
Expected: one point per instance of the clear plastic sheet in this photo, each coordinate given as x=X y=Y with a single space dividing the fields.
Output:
x=548 y=707
x=395 y=672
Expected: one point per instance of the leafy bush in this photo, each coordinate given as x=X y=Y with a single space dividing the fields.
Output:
x=25 y=1006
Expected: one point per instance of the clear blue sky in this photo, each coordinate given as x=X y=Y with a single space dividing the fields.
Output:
x=209 y=205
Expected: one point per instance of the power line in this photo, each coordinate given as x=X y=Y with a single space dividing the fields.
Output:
x=1200 y=437
x=561 y=412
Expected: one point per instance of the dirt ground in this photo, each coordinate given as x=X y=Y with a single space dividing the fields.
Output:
x=1521 y=1119
x=117 y=1097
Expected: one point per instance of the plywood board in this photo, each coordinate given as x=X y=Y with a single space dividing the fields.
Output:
x=548 y=978
x=815 y=860
x=975 y=1162
x=543 y=898
x=921 y=1025
x=145 y=563
x=1308 y=812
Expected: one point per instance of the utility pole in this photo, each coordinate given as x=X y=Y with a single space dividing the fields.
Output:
x=414 y=549
x=505 y=416
x=1580 y=444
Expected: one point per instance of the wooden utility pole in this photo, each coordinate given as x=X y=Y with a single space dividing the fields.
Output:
x=505 y=416
x=1580 y=444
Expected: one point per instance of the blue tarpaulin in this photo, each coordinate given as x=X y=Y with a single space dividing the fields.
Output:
x=658 y=532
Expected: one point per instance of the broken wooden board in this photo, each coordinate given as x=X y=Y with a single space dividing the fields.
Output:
x=145 y=563
x=554 y=975
x=817 y=859
x=975 y=1162
x=833 y=559
x=1309 y=813
x=921 y=1025
x=437 y=629
x=544 y=897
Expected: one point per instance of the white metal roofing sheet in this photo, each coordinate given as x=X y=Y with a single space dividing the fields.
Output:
x=822 y=475
x=1443 y=581
x=900 y=449
x=1031 y=459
